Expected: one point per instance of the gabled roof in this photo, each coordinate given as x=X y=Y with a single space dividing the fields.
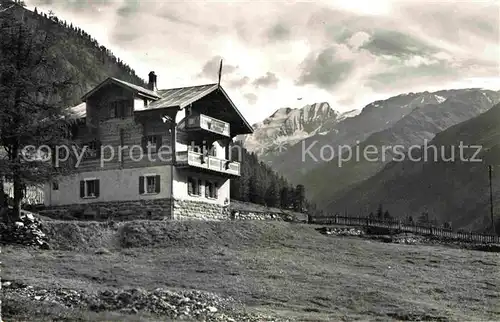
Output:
x=182 y=96
x=167 y=98
x=135 y=88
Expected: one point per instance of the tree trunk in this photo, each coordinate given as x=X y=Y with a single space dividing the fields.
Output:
x=18 y=197
x=3 y=198
x=18 y=189
x=4 y=203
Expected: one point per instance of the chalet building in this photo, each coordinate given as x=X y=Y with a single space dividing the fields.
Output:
x=152 y=153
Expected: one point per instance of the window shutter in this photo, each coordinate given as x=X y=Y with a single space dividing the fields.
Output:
x=98 y=147
x=207 y=189
x=82 y=189
x=198 y=190
x=97 y=188
x=158 y=143
x=141 y=185
x=216 y=190
x=157 y=183
x=144 y=144
x=126 y=109
x=190 y=186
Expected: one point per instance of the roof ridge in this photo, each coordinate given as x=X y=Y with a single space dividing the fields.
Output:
x=172 y=88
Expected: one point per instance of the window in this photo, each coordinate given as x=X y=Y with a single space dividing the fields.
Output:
x=89 y=188
x=55 y=185
x=194 y=187
x=145 y=102
x=93 y=149
x=212 y=151
x=149 y=184
x=119 y=109
x=211 y=189
x=112 y=112
x=151 y=143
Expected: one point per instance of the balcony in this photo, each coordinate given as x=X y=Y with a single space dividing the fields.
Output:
x=185 y=159
x=207 y=123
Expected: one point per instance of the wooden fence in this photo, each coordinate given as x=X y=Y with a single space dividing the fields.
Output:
x=406 y=227
x=32 y=196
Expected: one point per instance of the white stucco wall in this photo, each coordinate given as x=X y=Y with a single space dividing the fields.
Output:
x=220 y=150
x=180 y=188
x=138 y=104
x=179 y=117
x=114 y=185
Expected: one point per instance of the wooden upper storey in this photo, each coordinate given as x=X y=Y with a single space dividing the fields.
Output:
x=115 y=114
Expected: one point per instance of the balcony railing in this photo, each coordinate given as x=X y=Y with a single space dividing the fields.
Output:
x=198 y=160
x=202 y=121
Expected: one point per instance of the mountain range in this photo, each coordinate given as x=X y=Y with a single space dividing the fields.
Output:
x=446 y=185
x=405 y=120
x=287 y=126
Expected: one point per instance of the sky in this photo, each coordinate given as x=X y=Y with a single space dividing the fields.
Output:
x=287 y=54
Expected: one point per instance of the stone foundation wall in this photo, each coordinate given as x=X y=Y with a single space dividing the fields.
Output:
x=158 y=209
x=238 y=215
x=187 y=209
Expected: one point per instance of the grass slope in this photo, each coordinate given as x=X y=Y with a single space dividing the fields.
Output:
x=285 y=269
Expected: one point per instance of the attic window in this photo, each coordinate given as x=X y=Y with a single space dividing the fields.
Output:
x=145 y=102
x=151 y=143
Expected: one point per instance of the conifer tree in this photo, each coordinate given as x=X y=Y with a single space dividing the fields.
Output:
x=380 y=212
x=31 y=113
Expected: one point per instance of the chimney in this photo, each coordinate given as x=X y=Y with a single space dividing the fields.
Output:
x=152 y=81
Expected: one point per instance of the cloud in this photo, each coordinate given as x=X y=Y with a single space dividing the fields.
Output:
x=239 y=82
x=278 y=32
x=128 y=8
x=251 y=98
x=346 y=52
x=211 y=68
x=358 y=39
x=268 y=80
x=395 y=43
x=324 y=70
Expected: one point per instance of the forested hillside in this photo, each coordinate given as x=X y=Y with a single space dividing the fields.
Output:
x=82 y=58
x=260 y=184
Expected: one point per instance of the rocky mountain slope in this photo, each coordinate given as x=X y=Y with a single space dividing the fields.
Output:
x=450 y=187
x=374 y=117
x=414 y=129
x=287 y=126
